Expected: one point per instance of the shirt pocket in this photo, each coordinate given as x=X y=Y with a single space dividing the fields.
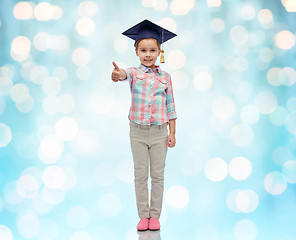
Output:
x=162 y=85
x=140 y=79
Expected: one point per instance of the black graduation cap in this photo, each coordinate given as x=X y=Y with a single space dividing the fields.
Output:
x=148 y=29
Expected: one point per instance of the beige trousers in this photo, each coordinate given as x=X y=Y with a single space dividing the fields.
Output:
x=148 y=144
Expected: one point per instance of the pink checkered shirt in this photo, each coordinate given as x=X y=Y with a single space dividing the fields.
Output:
x=152 y=99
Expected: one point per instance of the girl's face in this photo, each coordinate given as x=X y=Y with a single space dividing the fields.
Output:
x=148 y=51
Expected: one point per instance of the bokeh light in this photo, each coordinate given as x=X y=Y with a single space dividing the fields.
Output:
x=177 y=196
x=66 y=168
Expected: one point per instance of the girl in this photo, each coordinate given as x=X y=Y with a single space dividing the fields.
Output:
x=152 y=109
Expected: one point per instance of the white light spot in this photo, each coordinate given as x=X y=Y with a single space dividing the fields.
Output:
x=168 y=23
x=242 y=135
x=176 y=59
x=287 y=76
x=44 y=11
x=50 y=149
x=281 y=155
x=28 y=225
x=85 y=26
x=217 y=25
x=238 y=35
x=214 y=3
x=223 y=107
x=273 y=76
x=19 y=93
x=240 y=168
x=5 y=233
x=25 y=106
x=66 y=128
x=289 y=171
x=278 y=116
x=109 y=205
x=57 y=12
x=181 y=7
x=78 y=217
x=125 y=171
x=81 y=56
x=51 y=86
x=177 y=197
x=203 y=81
x=86 y=142
x=160 y=5
x=20 y=48
x=51 y=104
x=266 y=102
x=5 y=135
x=38 y=74
x=23 y=10
x=248 y=12
x=104 y=174
x=42 y=41
x=246 y=201
x=285 y=40
x=216 y=169
x=53 y=177
x=249 y=114
x=88 y=9
x=70 y=178
x=245 y=230
x=181 y=80
x=265 y=18
x=5 y=86
x=120 y=45
x=27 y=186
x=275 y=183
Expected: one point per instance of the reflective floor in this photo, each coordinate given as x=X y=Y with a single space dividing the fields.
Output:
x=149 y=235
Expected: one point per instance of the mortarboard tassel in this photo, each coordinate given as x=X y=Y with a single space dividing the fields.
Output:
x=162 y=55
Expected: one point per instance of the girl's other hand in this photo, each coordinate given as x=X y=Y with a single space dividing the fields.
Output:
x=171 y=142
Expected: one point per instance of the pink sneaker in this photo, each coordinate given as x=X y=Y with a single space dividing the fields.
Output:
x=154 y=224
x=143 y=225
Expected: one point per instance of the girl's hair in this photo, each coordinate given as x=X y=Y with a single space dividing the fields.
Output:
x=137 y=43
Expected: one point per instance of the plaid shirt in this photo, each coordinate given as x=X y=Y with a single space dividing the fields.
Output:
x=151 y=94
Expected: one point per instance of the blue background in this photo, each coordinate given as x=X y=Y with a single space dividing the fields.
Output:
x=65 y=162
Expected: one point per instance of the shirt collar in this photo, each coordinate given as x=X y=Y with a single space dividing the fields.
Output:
x=146 y=69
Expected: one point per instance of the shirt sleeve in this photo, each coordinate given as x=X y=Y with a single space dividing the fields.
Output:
x=170 y=101
x=129 y=75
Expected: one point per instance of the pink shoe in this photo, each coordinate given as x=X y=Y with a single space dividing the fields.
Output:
x=154 y=224
x=143 y=225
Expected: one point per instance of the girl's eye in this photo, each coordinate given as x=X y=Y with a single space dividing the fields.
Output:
x=153 y=50
x=143 y=50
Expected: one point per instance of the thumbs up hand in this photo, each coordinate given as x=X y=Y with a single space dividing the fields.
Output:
x=115 y=76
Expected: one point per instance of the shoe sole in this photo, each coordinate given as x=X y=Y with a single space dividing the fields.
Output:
x=154 y=229
x=143 y=230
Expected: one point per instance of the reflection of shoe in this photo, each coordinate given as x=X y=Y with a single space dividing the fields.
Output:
x=144 y=235
x=154 y=235
x=143 y=224
x=154 y=224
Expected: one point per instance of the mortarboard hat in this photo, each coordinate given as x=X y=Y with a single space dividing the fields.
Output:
x=147 y=29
